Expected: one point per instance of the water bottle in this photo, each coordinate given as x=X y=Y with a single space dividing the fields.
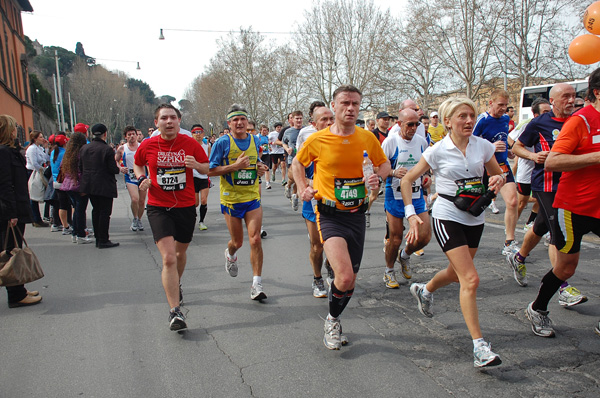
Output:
x=367 y=166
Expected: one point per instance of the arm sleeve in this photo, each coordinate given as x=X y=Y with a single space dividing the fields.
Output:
x=217 y=153
x=199 y=153
x=430 y=157
x=572 y=133
x=375 y=152
x=488 y=151
x=109 y=160
x=307 y=154
x=8 y=204
x=388 y=146
x=479 y=126
x=140 y=155
x=529 y=136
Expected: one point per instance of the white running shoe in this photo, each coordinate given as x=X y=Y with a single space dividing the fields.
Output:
x=231 y=265
x=493 y=208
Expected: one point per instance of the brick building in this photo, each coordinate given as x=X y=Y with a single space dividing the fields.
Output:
x=15 y=95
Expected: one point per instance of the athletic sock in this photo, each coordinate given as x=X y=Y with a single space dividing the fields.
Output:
x=508 y=242
x=550 y=284
x=203 y=209
x=532 y=217
x=564 y=285
x=404 y=255
x=346 y=299
x=478 y=342
x=232 y=258
x=256 y=279
x=389 y=270
x=335 y=300
x=520 y=258
x=426 y=292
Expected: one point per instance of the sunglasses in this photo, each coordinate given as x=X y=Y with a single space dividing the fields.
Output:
x=412 y=124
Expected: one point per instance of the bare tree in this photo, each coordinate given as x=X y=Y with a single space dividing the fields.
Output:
x=415 y=71
x=466 y=31
x=344 y=42
x=530 y=30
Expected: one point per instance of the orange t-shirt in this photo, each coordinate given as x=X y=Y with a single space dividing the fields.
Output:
x=338 y=162
x=578 y=190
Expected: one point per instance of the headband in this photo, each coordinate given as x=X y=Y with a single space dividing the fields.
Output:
x=197 y=129
x=236 y=113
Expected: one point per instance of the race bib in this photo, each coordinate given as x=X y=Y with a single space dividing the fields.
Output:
x=416 y=188
x=265 y=148
x=244 y=177
x=349 y=192
x=471 y=186
x=131 y=175
x=172 y=179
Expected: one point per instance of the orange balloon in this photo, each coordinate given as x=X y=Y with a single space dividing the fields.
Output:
x=585 y=49
x=591 y=18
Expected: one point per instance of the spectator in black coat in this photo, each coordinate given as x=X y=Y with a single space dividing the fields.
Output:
x=15 y=209
x=98 y=170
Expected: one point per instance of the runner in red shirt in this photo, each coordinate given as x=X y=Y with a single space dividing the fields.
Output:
x=576 y=153
x=170 y=158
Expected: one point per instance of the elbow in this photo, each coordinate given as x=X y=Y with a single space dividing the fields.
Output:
x=550 y=165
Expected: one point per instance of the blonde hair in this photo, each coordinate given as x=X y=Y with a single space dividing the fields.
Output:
x=8 y=124
x=448 y=107
x=499 y=93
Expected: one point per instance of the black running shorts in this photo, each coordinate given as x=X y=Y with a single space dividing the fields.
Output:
x=351 y=227
x=177 y=222
x=451 y=234
x=544 y=221
x=570 y=228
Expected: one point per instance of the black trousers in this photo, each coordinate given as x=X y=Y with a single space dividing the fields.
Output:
x=101 y=211
x=15 y=293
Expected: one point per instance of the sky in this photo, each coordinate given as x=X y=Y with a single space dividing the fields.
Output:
x=121 y=33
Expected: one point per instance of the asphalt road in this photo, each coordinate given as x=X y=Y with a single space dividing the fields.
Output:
x=102 y=328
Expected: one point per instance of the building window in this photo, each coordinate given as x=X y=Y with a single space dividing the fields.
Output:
x=3 y=64
x=25 y=82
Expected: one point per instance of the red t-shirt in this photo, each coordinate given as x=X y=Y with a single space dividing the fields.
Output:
x=578 y=190
x=172 y=182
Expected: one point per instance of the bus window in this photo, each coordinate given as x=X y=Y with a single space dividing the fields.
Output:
x=581 y=90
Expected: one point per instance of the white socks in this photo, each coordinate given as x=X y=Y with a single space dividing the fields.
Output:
x=404 y=255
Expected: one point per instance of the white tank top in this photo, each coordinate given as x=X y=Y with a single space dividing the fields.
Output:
x=196 y=173
x=129 y=161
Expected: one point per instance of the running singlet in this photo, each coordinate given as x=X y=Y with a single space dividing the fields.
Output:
x=275 y=149
x=128 y=161
x=241 y=185
x=205 y=147
x=402 y=153
x=540 y=134
x=290 y=138
x=172 y=182
x=263 y=141
x=579 y=190
x=338 y=176
x=437 y=133
x=494 y=129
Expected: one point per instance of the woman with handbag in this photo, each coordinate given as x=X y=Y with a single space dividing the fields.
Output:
x=70 y=185
x=36 y=159
x=15 y=209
